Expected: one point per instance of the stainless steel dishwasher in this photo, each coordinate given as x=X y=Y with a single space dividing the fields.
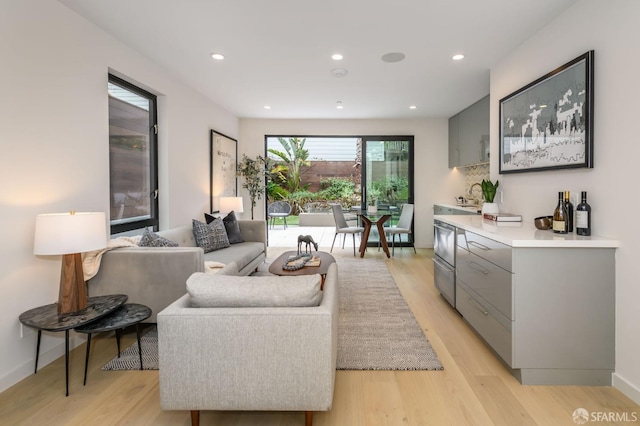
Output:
x=444 y=260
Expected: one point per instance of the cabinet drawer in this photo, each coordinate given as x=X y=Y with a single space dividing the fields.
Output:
x=484 y=319
x=444 y=278
x=490 y=282
x=493 y=251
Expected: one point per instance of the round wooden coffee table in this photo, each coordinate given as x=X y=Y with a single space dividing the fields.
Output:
x=325 y=260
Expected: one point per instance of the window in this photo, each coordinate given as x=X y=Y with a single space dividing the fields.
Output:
x=133 y=163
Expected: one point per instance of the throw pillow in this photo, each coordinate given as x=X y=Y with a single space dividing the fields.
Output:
x=233 y=229
x=151 y=239
x=210 y=236
x=209 y=218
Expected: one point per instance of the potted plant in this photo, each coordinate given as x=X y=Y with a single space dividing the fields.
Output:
x=489 y=192
x=255 y=172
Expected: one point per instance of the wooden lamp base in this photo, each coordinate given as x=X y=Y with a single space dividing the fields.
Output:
x=73 y=289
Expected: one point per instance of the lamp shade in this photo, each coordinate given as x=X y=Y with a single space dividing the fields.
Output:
x=66 y=233
x=229 y=204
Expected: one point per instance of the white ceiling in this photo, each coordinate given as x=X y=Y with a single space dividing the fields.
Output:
x=278 y=52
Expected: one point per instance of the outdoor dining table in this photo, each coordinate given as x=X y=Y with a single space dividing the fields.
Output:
x=368 y=219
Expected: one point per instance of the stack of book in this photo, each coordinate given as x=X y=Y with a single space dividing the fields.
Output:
x=502 y=217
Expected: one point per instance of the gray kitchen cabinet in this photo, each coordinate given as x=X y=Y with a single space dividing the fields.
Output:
x=469 y=135
x=453 y=141
x=547 y=312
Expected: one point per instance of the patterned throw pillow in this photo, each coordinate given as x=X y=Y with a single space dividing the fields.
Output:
x=210 y=236
x=151 y=239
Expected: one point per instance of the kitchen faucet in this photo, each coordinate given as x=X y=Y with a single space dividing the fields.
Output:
x=472 y=186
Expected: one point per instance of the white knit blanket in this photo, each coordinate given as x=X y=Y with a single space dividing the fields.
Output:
x=91 y=260
x=213 y=267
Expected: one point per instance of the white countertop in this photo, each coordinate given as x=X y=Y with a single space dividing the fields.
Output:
x=524 y=234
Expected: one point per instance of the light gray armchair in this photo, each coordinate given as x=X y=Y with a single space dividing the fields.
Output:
x=249 y=358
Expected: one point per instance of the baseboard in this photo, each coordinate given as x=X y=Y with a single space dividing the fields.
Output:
x=46 y=357
x=626 y=388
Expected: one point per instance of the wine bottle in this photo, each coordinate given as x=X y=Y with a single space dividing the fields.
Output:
x=569 y=206
x=560 y=216
x=583 y=216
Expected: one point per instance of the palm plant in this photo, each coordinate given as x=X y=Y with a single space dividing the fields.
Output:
x=292 y=161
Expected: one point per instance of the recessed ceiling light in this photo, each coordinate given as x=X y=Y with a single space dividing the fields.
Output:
x=267 y=107
x=217 y=56
x=393 y=57
x=336 y=57
x=339 y=105
x=413 y=107
x=457 y=57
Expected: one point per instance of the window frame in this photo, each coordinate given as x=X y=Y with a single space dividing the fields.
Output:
x=154 y=219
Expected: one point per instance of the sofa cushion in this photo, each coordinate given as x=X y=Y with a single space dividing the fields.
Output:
x=151 y=239
x=183 y=235
x=219 y=291
x=210 y=236
x=242 y=253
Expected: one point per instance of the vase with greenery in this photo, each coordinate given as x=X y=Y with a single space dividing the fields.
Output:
x=255 y=173
x=489 y=192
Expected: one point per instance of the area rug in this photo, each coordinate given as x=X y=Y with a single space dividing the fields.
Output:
x=376 y=329
x=129 y=358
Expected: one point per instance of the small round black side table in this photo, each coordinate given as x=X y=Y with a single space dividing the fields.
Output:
x=47 y=318
x=124 y=316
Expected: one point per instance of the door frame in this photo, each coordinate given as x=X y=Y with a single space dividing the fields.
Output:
x=363 y=178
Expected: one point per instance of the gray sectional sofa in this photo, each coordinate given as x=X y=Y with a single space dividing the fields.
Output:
x=156 y=277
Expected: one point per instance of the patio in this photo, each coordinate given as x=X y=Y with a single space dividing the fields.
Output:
x=323 y=235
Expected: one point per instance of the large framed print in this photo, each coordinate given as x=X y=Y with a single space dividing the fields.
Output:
x=548 y=124
x=222 y=176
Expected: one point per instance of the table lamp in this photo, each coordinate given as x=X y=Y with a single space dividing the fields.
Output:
x=231 y=204
x=70 y=234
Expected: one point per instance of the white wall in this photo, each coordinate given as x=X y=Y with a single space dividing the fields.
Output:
x=54 y=151
x=611 y=29
x=434 y=181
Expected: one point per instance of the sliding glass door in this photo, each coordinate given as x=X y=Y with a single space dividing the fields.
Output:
x=387 y=176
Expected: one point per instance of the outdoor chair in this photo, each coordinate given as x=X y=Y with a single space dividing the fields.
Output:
x=343 y=228
x=402 y=227
x=278 y=209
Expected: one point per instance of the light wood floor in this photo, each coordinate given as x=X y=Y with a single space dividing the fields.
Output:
x=474 y=388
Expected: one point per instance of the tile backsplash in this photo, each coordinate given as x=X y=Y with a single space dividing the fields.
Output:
x=475 y=174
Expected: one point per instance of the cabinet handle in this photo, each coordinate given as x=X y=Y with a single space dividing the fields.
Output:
x=478 y=306
x=445 y=230
x=477 y=267
x=480 y=246
x=442 y=265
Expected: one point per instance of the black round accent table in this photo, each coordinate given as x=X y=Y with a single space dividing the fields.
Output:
x=125 y=316
x=47 y=318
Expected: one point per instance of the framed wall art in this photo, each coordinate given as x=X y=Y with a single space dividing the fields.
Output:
x=548 y=124
x=224 y=157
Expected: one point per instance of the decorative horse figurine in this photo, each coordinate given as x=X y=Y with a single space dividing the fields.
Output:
x=308 y=240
